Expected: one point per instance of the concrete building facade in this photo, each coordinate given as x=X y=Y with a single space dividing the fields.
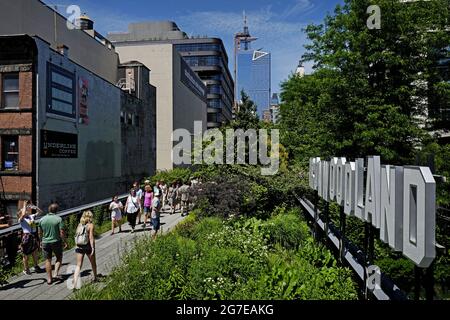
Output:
x=61 y=134
x=138 y=121
x=206 y=56
x=34 y=17
x=181 y=95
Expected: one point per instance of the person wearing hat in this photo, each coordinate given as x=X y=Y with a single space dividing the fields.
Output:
x=156 y=211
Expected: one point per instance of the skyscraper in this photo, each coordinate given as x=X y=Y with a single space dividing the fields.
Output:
x=252 y=71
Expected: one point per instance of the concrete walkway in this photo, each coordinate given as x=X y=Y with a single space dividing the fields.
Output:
x=108 y=253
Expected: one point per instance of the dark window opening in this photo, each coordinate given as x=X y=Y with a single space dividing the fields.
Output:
x=10 y=91
x=61 y=92
x=10 y=153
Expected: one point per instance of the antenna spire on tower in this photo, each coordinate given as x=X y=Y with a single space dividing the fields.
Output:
x=245 y=23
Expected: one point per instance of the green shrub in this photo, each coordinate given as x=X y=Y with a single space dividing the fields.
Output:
x=220 y=271
x=286 y=229
x=215 y=259
x=201 y=230
x=175 y=175
x=99 y=215
x=70 y=227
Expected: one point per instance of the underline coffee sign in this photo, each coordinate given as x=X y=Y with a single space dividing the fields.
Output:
x=58 y=144
x=400 y=201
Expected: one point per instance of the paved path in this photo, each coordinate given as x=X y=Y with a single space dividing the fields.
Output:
x=108 y=253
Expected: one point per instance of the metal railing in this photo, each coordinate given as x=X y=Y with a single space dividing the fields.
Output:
x=15 y=230
x=64 y=213
x=350 y=254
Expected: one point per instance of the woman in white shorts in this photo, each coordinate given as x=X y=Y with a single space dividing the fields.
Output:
x=116 y=208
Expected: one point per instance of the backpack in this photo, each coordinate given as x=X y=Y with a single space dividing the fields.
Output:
x=82 y=236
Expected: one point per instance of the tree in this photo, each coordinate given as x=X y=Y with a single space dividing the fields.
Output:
x=246 y=116
x=366 y=95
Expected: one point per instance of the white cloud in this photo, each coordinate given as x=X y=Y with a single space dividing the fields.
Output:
x=300 y=6
x=278 y=32
x=282 y=38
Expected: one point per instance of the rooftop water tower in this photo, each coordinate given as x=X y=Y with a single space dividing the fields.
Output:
x=85 y=23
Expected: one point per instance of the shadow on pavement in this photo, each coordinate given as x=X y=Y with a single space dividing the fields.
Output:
x=22 y=284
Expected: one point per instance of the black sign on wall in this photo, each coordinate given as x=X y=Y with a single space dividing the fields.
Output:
x=58 y=144
x=61 y=89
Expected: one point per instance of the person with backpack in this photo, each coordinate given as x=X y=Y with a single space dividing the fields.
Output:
x=156 y=212
x=132 y=208
x=30 y=237
x=116 y=208
x=85 y=242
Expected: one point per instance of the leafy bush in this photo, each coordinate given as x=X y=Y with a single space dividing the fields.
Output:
x=294 y=278
x=286 y=229
x=399 y=269
x=99 y=215
x=70 y=227
x=215 y=259
x=222 y=197
x=175 y=175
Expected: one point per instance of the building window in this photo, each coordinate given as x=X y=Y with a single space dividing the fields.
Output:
x=214 y=103
x=198 y=47
x=130 y=119
x=10 y=153
x=204 y=61
x=214 y=117
x=122 y=117
x=10 y=91
x=11 y=211
x=61 y=92
x=215 y=89
x=136 y=120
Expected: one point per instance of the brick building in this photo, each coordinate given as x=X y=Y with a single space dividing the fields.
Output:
x=62 y=136
x=62 y=100
x=17 y=142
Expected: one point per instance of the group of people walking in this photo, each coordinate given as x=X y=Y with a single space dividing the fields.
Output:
x=147 y=201
x=47 y=233
x=150 y=201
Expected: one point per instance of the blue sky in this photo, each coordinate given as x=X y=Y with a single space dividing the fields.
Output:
x=277 y=23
